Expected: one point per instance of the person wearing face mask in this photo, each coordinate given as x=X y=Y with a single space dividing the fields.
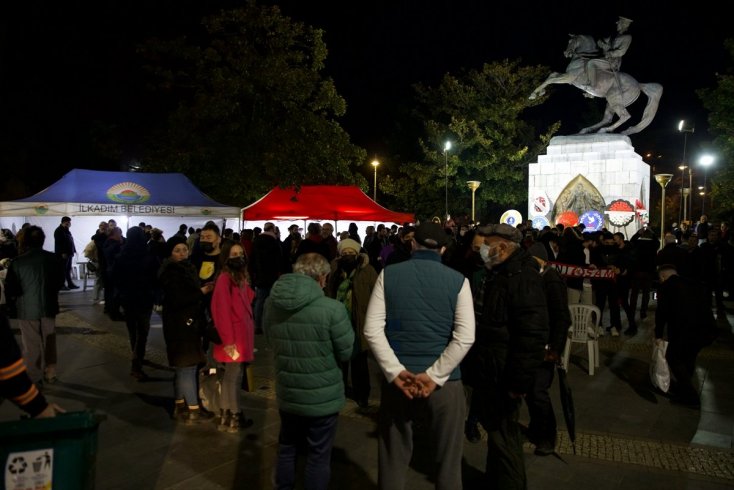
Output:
x=350 y=282
x=232 y=313
x=205 y=258
x=402 y=248
x=182 y=313
x=511 y=335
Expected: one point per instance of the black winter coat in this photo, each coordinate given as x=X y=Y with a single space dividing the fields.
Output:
x=513 y=330
x=559 y=316
x=134 y=274
x=182 y=313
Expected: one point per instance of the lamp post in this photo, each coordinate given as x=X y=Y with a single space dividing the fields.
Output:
x=473 y=185
x=686 y=194
x=682 y=208
x=705 y=161
x=685 y=130
x=446 y=148
x=375 y=163
x=663 y=180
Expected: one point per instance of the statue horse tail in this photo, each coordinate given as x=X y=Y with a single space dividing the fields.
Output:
x=653 y=91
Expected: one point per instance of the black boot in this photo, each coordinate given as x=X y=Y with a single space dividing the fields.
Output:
x=136 y=371
x=238 y=422
x=196 y=416
x=180 y=411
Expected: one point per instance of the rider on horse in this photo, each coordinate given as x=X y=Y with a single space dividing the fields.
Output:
x=614 y=48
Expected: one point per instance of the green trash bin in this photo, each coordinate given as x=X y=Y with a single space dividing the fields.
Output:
x=56 y=453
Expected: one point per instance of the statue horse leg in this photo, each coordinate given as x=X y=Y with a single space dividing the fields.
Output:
x=608 y=116
x=553 y=78
x=653 y=91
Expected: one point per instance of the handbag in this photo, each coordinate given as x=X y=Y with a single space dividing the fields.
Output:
x=659 y=370
x=209 y=331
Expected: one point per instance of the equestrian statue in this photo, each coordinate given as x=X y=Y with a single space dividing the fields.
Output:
x=600 y=77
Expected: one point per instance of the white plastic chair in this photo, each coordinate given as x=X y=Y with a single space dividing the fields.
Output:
x=585 y=320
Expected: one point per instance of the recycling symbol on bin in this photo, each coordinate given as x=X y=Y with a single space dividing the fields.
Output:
x=17 y=465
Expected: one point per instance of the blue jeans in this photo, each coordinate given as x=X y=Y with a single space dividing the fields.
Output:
x=261 y=294
x=185 y=385
x=319 y=433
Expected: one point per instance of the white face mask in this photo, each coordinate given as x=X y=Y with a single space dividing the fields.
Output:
x=490 y=255
x=484 y=252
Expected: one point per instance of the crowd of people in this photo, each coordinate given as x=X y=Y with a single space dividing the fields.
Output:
x=464 y=323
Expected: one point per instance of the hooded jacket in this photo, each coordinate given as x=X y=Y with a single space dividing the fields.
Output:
x=311 y=335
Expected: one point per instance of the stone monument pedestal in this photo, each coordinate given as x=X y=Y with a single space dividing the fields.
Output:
x=591 y=173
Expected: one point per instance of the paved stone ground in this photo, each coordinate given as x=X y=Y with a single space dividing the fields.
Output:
x=628 y=436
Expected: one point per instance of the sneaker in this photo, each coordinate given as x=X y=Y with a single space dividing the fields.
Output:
x=614 y=331
x=49 y=376
x=64 y=288
x=73 y=286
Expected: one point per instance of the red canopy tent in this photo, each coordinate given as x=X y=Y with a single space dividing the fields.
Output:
x=321 y=202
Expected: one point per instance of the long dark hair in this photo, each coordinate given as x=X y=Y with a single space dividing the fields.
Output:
x=240 y=276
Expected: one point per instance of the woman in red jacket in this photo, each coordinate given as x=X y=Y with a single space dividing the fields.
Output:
x=232 y=314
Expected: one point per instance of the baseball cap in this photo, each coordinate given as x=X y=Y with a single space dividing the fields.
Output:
x=430 y=235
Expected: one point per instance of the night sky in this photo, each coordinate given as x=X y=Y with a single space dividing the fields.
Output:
x=69 y=71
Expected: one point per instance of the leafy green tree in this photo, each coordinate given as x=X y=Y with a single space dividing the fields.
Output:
x=719 y=101
x=249 y=107
x=482 y=113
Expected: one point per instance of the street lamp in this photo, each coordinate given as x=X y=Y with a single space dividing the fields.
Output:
x=446 y=148
x=473 y=185
x=375 y=163
x=682 y=210
x=705 y=161
x=663 y=180
x=685 y=130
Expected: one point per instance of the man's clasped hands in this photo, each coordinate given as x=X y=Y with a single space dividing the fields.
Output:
x=414 y=385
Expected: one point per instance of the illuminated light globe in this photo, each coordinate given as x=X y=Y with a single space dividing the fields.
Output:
x=592 y=220
x=511 y=217
x=567 y=218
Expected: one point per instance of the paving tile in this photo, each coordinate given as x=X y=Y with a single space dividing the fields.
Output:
x=629 y=437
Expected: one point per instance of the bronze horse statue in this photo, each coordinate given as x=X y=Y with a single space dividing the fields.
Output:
x=618 y=88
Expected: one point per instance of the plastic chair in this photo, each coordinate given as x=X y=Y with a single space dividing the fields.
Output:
x=585 y=320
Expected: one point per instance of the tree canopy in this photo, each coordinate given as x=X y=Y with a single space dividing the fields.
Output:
x=719 y=101
x=479 y=112
x=248 y=107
